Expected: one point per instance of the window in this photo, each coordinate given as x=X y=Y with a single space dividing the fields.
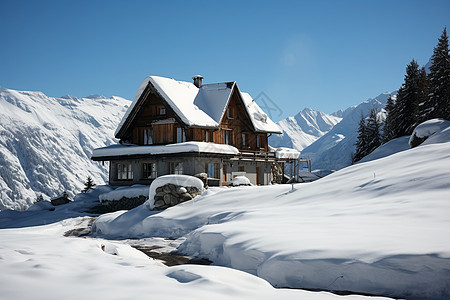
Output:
x=241 y=169
x=176 y=168
x=227 y=137
x=124 y=171
x=230 y=113
x=181 y=135
x=149 y=170
x=207 y=136
x=148 y=136
x=162 y=111
x=244 y=140
x=212 y=169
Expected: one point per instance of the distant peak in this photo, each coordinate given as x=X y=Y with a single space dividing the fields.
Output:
x=69 y=97
x=96 y=96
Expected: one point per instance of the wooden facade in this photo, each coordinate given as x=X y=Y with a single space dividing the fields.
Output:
x=151 y=120
x=156 y=124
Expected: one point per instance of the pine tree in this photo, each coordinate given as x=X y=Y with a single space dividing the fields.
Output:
x=438 y=105
x=388 y=131
x=373 y=132
x=422 y=98
x=89 y=184
x=39 y=198
x=403 y=114
x=362 y=141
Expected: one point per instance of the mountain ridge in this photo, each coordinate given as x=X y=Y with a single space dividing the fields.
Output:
x=46 y=143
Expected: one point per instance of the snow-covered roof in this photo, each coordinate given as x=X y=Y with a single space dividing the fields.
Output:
x=196 y=147
x=200 y=107
x=260 y=120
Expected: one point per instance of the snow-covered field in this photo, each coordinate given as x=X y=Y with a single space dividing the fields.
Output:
x=379 y=227
x=40 y=262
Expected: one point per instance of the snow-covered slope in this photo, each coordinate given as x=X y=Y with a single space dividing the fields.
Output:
x=333 y=150
x=303 y=129
x=377 y=227
x=46 y=143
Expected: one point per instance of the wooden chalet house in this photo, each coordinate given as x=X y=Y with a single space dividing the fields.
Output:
x=175 y=127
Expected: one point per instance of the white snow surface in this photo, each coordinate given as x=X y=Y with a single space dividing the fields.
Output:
x=198 y=147
x=377 y=227
x=283 y=152
x=303 y=129
x=181 y=180
x=260 y=120
x=38 y=262
x=201 y=107
x=389 y=148
x=136 y=190
x=46 y=143
x=428 y=128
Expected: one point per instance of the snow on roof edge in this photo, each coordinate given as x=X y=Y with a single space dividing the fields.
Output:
x=196 y=147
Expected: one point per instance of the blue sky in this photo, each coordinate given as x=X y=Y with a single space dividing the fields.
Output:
x=326 y=55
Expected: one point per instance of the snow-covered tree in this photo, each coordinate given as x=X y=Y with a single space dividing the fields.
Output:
x=89 y=184
x=438 y=104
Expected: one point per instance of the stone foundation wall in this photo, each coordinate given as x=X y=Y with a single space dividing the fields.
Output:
x=170 y=195
x=124 y=203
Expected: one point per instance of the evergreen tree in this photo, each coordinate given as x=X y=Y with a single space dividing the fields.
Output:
x=438 y=105
x=422 y=98
x=89 y=184
x=39 y=198
x=373 y=132
x=388 y=131
x=362 y=142
x=403 y=114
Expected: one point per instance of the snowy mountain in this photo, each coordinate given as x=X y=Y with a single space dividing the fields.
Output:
x=46 y=143
x=303 y=129
x=333 y=150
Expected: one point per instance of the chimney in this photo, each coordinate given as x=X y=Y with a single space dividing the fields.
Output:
x=198 y=80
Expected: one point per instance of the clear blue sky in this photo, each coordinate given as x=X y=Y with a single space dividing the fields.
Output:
x=325 y=55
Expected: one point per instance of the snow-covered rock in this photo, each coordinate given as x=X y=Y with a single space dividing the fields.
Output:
x=46 y=143
x=240 y=180
x=41 y=205
x=182 y=181
x=303 y=129
x=427 y=129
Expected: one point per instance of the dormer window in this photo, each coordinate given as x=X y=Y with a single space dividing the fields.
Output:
x=162 y=111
